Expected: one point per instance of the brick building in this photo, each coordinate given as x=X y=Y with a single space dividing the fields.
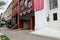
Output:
x=23 y=14
x=41 y=15
x=27 y=16
x=15 y=11
x=8 y=13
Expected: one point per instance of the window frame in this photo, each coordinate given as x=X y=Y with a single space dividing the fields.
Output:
x=48 y=18
x=55 y=16
x=28 y=4
x=53 y=4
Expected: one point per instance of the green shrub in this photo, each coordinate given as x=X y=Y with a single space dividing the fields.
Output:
x=4 y=37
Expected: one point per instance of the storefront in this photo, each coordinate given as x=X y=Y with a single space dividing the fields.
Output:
x=27 y=16
x=28 y=21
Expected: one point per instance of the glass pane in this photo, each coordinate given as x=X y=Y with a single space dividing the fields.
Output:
x=55 y=16
x=25 y=3
x=53 y=4
x=29 y=4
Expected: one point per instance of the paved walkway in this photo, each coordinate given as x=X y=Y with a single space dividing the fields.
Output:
x=24 y=35
x=49 y=32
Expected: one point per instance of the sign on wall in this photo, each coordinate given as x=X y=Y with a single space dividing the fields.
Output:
x=38 y=5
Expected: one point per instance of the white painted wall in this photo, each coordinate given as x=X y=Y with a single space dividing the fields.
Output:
x=44 y=28
x=41 y=17
x=52 y=23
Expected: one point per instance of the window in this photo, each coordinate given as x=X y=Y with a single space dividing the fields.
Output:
x=53 y=4
x=25 y=4
x=48 y=17
x=55 y=16
x=29 y=4
x=22 y=8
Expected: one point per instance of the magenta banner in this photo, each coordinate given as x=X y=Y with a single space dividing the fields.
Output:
x=38 y=5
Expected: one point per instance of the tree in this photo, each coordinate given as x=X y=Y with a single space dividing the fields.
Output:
x=2 y=3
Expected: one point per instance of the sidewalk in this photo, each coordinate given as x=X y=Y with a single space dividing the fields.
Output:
x=24 y=35
x=1 y=33
x=48 y=32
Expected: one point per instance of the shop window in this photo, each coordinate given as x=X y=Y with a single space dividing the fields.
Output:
x=53 y=4
x=55 y=16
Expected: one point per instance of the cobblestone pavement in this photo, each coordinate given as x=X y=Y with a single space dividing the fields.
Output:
x=23 y=35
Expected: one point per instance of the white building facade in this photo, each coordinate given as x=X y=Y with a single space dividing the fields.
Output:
x=47 y=20
x=49 y=16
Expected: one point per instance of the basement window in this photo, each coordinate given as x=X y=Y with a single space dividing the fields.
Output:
x=48 y=17
x=55 y=16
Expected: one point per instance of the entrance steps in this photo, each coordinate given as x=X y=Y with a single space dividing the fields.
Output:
x=24 y=28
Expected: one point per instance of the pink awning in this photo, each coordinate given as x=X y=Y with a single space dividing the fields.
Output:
x=38 y=5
